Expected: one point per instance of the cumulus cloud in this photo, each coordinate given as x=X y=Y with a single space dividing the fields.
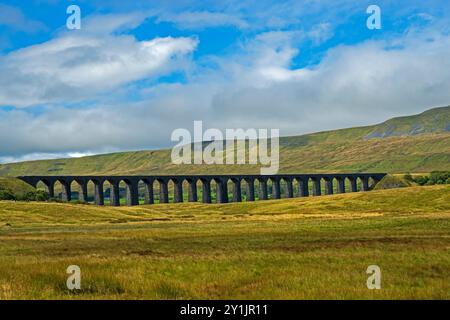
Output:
x=80 y=65
x=257 y=86
x=353 y=85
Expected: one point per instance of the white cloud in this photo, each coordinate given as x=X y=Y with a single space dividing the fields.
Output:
x=81 y=65
x=108 y=23
x=202 y=19
x=43 y=156
x=353 y=85
x=321 y=32
x=256 y=87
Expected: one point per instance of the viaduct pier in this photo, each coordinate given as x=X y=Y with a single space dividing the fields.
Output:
x=305 y=185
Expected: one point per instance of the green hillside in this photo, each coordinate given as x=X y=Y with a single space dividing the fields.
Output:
x=434 y=120
x=419 y=143
x=14 y=186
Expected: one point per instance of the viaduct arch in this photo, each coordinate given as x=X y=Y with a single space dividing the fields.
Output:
x=222 y=184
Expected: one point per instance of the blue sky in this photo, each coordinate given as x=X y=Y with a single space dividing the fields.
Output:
x=138 y=70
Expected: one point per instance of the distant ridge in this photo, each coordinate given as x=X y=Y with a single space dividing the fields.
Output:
x=430 y=121
x=418 y=143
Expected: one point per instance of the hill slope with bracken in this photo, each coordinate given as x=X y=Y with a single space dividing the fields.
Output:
x=418 y=143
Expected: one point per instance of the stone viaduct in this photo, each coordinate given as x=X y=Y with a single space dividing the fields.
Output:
x=222 y=182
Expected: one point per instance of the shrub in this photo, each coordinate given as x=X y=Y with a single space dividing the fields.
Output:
x=421 y=180
x=36 y=195
x=29 y=196
x=41 y=195
x=436 y=177
x=7 y=195
x=439 y=177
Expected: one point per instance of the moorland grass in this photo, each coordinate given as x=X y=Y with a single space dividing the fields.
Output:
x=303 y=248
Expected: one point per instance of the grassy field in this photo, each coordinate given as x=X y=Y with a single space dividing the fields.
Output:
x=304 y=248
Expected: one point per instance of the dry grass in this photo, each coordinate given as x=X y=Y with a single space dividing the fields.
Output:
x=298 y=248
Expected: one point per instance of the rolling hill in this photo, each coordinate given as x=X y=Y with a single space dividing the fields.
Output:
x=418 y=143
